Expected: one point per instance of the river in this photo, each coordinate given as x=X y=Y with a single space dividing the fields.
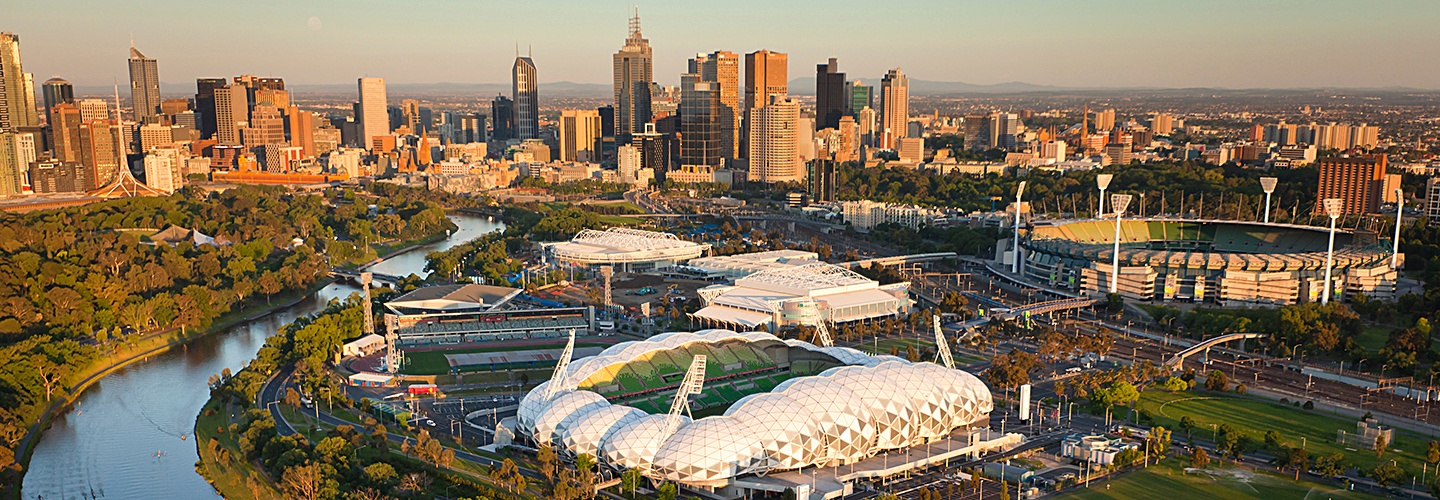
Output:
x=129 y=435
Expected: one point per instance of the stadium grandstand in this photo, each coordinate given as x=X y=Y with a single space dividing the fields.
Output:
x=759 y=409
x=629 y=250
x=457 y=314
x=1227 y=262
x=803 y=294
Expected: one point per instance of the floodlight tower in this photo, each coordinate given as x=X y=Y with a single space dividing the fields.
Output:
x=942 y=348
x=1103 y=180
x=1119 y=202
x=607 y=272
x=1015 y=250
x=1268 y=184
x=692 y=384
x=365 y=279
x=1399 y=212
x=1333 y=207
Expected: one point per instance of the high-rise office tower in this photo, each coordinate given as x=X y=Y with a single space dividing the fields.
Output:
x=632 y=83
x=410 y=115
x=580 y=135
x=766 y=73
x=266 y=127
x=65 y=132
x=722 y=70
x=502 y=110
x=524 y=89
x=699 y=122
x=866 y=121
x=93 y=109
x=860 y=96
x=830 y=97
x=656 y=151
x=821 y=180
x=102 y=151
x=894 y=108
x=1359 y=180
x=374 y=120
x=174 y=106
x=144 y=86
x=17 y=91
x=774 y=148
x=17 y=152
x=607 y=131
x=205 y=104
x=231 y=113
x=302 y=129
x=57 y=90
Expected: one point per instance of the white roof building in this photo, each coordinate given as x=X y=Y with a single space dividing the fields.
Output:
x=735 y=266
x=792 y=295
x=627 y=249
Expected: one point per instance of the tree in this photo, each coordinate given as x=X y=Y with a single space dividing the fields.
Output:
x=1380 y=444
x=380 y=474
x=292 y=397
x=1272 y=439
x=549 y=462
x=666 y=491
x=1198 y=458
x=1159 y=440
x=305 y=482
x=1216 y=381
x=1387 y=473
x=1432 y=452
x=1330 y=465
x=415 y=482
x=1297 y=459
x=630 y=481
x=1175 y=384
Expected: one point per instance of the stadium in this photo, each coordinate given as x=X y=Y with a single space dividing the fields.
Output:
x=1227 y=262
x=763 y=406
x=628 y=250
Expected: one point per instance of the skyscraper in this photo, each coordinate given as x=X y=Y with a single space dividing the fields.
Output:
x=579 y=135
x=302 y=129
x=830 y=97
x=502 y=109
x=65 y=132
x=722 y=70
x=410 y=110
x=205 y=104
x=894 y=108
x=17 y=152
x=231 y=113
x=766 y=74
x=374 y=119
x=774 y=148
x=860 y=96
x=102 y=151
x=1359 y=180
x=632 y=83
x=266 y=127
x=144 y=85
x=525 y=90
x=57 y=91
x=699 y=121
x=17 y=92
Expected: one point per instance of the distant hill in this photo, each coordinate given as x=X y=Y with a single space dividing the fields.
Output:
x=806 y=86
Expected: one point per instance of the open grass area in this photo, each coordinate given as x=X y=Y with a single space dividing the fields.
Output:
x=1255 y=417
x=434 y=362
x=1168 y=479
x=1373 y=337
x=902 y=344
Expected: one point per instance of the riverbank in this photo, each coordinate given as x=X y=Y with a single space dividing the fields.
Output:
x=139 y=350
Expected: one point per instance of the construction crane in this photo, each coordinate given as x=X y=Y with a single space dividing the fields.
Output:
x=942 y=348
x=559 y=380
x=694 y=381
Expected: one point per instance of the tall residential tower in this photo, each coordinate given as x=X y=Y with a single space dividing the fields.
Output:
x=374 y=117
x=526 y=92
x=632 y=83
x=17 y=89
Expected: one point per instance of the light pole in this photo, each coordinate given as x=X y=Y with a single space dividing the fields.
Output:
x=1333 y=207
x=1015 y=250
x=1268 y=184
x=1103 y=180
x=1399 y=212
x=1119 y=202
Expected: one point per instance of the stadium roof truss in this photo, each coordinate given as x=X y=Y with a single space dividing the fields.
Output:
x=806 y=278
x=629 y=239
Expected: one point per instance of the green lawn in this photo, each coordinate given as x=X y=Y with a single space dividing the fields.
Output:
x=434 y=362
x=227 y=470
x=1255 y=417
x=1169 y=480
x=1373 y=337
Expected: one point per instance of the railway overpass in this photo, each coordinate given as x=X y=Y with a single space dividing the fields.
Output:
x=1179 y=358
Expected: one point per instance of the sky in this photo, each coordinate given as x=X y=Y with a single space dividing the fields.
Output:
x=1091 y=43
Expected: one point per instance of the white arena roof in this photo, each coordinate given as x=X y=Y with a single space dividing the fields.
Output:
x=840 y=295
x=619 y=245
x=468 y=297
x=749 y=263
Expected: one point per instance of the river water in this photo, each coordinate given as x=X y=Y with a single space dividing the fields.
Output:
x=129 y=435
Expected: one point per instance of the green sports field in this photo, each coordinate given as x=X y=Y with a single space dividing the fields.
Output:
x=434 y=362
x=1168 y=480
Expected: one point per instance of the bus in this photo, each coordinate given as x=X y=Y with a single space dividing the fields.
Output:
x=606 y=327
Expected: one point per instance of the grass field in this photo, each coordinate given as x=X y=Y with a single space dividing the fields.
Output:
x=434 y=362
x=1169 y=480
x=1255 y=417
x=1373 y=337
x=901 y=344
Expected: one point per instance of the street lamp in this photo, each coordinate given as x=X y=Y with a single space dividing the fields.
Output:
x=1015 y=250
x=1103 y=180
x=1268 y=184
x=1119 y=202
x=1399 y=212
x=1333 y=208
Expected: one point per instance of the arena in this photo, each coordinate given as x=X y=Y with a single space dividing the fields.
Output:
x=766 y=406
x=628 y=250
x=1226 y=262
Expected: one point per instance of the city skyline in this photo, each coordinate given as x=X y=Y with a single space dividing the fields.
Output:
x=1181 y=52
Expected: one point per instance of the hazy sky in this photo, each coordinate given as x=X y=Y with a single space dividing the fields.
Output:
x=1099 y=43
